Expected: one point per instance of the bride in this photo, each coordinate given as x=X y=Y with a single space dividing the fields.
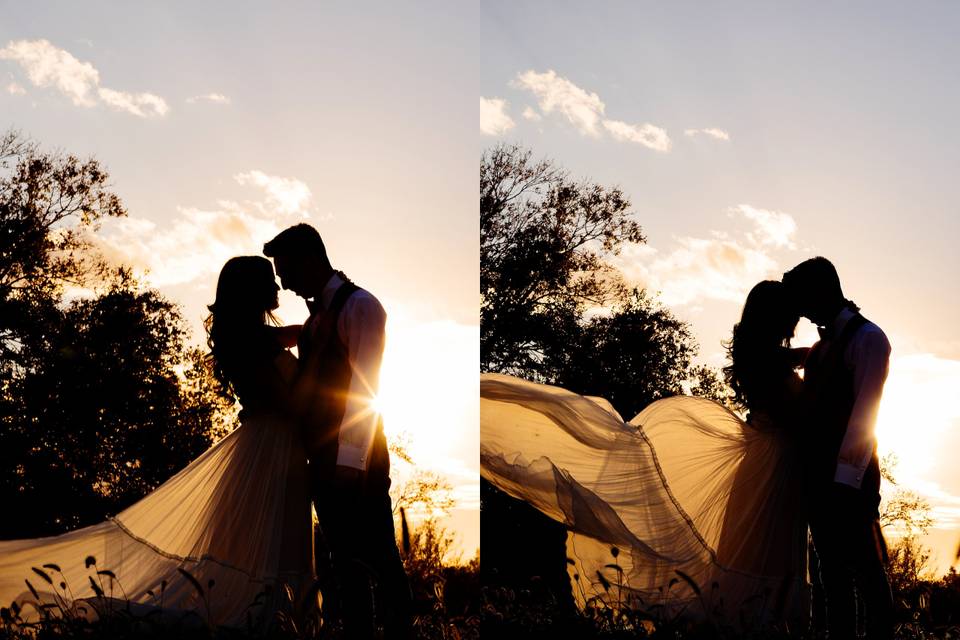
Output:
x=236 y=520
x=685 y=506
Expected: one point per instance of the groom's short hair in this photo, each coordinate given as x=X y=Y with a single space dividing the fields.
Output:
x=814 y=275
x=297 y=241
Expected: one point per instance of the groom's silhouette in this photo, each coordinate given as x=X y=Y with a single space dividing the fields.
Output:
x=843 y=380
x=340 y=350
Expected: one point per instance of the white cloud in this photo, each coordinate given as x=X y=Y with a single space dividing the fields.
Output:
x=554 y=92
x=15 y=89
x=494 y=120
x=698 y=269
x=288 y=196
x=196 y=244
x=145 y=105
x=773 y=228
x=718 y=267
x=216 y=98
x=531 y=114
x=719 y=134
x=585 y=110
x=46 y=65
x=198 y=241
x=646 y=134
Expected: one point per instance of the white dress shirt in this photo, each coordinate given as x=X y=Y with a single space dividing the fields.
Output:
x=867 y=356
x=361 y=327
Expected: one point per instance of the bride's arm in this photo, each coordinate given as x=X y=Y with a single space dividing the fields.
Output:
x=287 y=336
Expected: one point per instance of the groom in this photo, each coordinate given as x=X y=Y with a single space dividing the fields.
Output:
x=340 y=350
x=843 y=379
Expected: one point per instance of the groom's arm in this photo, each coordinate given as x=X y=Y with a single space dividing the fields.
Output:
x=362 y=325
x=870 y=355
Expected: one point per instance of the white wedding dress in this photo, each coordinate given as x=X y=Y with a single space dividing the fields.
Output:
x=237 y=518
x=686 y=492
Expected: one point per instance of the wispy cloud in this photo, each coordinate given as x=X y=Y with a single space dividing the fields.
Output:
x=286 y=196
x=197 y=242
x=648 y=135
x=15 y=89
x=773 y=228
x=215 y=98
x=46 y=65
x=718 y=134
x=585 y=110
x=531 y=114
x=145 y=105
x=494 y=120
x=718 y=267
x=555 y=93
x=698 y=269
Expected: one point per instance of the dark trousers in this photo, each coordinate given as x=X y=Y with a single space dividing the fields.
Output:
x=850 y=554
x=358 y=544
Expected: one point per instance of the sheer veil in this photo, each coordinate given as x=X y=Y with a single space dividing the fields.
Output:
x=692 y=498
x=237 y=519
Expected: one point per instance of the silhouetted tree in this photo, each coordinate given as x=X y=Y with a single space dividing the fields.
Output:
x=100 y=398
x=544 y=240
x=545 y=244
x=707 y=382
x=49 y=205
x=637 y=354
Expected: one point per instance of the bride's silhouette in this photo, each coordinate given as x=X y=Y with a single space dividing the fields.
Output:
x=684 y=492
x=237 y=519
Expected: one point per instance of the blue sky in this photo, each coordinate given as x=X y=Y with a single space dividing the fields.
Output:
x=221 y=123
x=751 y=136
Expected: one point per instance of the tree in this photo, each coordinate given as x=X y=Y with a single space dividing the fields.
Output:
x=544 y=244
x=423 y=491
x=101 y=400
x=49 y=205
x=909 y=513
x=707 y=382
x=637 y=354
x=904 y=509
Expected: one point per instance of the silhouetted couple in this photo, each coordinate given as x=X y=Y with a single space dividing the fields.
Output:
x=687 y=490
x=238 y=518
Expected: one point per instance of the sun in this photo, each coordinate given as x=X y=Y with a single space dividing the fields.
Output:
x=916 y=412
x=428 y=388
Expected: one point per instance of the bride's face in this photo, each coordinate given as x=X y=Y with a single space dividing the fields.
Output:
x=265 y=289
x=273 y=291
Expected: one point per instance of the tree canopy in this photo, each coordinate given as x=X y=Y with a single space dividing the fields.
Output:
x=553 y=307
x=543 y=243
x=555 y=310
x=101 y=398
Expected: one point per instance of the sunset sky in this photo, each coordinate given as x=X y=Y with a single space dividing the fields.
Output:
x=755 y=135
x=223 y=123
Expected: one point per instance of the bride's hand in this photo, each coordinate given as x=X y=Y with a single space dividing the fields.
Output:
x=288 y=335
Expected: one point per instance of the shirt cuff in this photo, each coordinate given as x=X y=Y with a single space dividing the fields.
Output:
x=849 y=475
x=351 y=456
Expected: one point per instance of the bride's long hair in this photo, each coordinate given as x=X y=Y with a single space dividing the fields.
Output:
x=757 y=350
x=239 y=316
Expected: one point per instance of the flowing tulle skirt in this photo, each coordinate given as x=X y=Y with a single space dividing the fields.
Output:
x=686 y=507
x=237 y=519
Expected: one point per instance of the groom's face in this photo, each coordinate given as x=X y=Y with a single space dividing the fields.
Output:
x=291 y=274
